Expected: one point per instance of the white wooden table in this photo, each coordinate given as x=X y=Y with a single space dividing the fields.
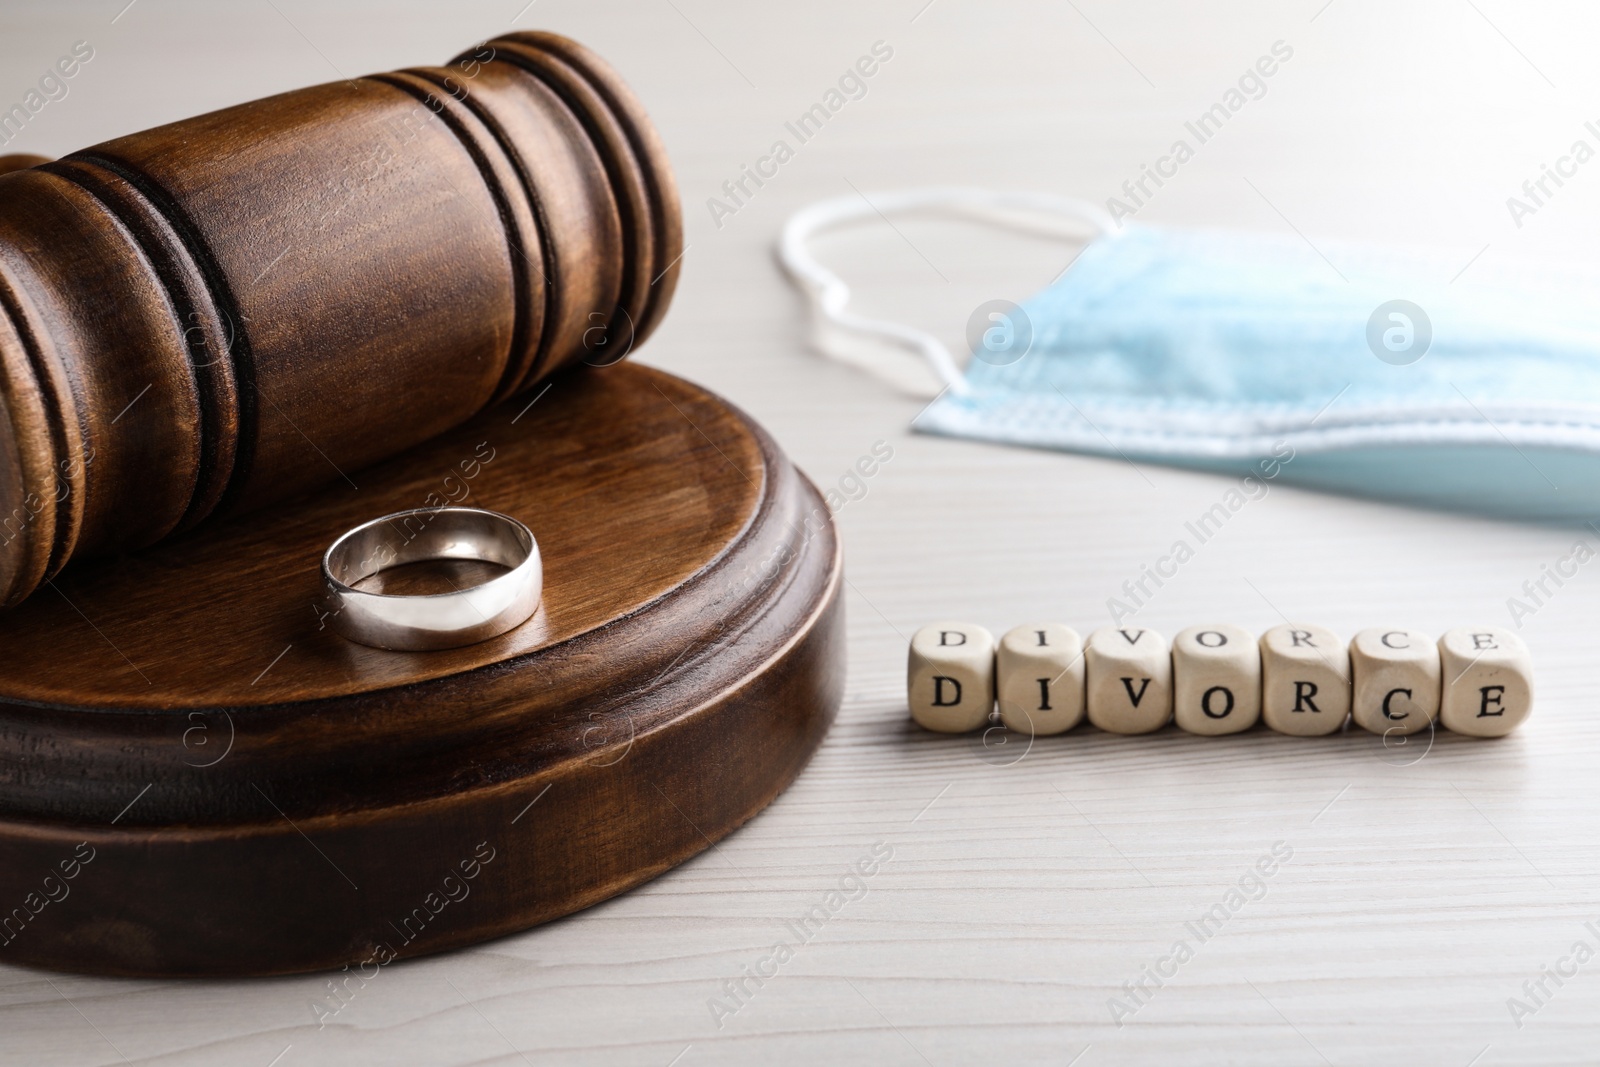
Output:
x=1425 y=885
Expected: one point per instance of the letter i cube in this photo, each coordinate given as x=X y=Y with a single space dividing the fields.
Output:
x=1040 y=678
x=1305 y=680
x=1128 y=680
x=950 y=677
x=1488 y=681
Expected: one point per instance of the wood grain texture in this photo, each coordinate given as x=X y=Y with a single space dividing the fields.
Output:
x=1414 y=905
x=20 y=161
x=292 y=798
x=224 y=311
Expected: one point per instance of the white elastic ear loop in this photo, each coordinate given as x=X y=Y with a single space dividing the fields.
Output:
x=831 y=296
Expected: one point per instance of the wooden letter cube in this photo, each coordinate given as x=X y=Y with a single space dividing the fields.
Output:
x=1396 y=680
x=1040 y=678
x=1216 y=679
x=1128 y=680
x=1305 y=680
x=950 y=677
x=1488 y=681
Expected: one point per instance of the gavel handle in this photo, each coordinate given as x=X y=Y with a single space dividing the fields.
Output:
x=20 y=161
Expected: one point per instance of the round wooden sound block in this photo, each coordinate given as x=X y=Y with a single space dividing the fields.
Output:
x=201 y=778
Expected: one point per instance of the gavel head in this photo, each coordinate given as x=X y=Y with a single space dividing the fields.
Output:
x=221 y=312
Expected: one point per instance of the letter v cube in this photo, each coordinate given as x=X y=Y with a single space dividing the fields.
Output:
x=1128 y=680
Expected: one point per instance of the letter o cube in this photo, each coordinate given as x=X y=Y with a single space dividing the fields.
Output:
x=1216 y=679
x=950 y=677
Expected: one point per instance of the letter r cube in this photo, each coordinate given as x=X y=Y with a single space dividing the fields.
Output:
x=1305 y=680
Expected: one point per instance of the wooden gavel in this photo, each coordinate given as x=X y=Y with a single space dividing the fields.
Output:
x=216 y=314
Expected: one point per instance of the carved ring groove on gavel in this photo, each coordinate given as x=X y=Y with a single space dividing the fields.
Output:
x=218 y=313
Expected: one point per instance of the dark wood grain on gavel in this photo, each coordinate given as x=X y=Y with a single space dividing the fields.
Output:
x=218 y=313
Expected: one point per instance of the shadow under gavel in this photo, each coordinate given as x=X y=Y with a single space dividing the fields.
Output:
x=219 y=313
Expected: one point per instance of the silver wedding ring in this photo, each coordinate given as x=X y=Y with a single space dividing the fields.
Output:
x=440 y=620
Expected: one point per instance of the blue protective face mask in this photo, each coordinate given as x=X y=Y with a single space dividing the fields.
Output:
x=1384 y=374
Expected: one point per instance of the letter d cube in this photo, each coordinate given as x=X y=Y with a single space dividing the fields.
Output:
x=950 y=677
